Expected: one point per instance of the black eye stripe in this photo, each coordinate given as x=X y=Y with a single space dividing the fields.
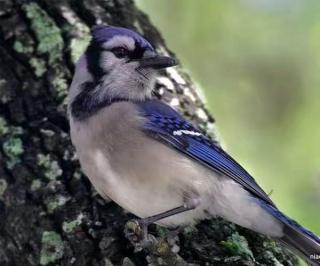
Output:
x=120 y=52
x=137 y=52
x=93 y=56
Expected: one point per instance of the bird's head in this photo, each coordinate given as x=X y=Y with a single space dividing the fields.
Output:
x=123 y=55
x=117 y=64
x=121 y=63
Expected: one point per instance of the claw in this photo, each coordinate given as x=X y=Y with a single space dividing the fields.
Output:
x=133 y=231
x=137 y=233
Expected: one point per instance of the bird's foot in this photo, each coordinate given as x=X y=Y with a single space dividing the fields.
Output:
x=136 y=231
x=157 y=248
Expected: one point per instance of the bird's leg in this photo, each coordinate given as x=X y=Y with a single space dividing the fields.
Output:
x=190 y=204
x=145 y=222
x=139 y=228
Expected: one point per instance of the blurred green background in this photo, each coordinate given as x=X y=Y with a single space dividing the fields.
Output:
x=258 y=62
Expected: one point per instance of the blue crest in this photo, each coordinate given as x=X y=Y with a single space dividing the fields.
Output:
x=103 y=33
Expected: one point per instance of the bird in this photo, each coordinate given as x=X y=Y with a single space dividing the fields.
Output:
x=146 y=157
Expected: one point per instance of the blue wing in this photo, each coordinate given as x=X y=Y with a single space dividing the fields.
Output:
x=166 y=124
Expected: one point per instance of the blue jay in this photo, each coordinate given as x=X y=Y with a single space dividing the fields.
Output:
x=147 y=158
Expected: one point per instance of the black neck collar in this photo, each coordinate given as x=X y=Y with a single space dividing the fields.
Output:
x=85 y=103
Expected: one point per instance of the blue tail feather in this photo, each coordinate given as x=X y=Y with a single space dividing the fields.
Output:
x=295 y=236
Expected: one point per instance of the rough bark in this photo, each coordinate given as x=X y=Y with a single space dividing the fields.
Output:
x=49 y=212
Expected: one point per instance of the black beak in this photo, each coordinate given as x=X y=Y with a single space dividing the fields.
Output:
x=157 y=62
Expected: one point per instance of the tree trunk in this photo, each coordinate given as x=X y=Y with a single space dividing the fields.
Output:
x=49 y=212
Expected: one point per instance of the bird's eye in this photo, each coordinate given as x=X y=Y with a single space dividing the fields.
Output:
x=120 y=52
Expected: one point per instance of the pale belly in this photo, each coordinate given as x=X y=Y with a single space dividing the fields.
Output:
x=145 y=197
x=141 y=195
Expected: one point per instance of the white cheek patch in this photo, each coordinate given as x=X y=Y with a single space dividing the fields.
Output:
x=107 y=60
x=120 y=41
x=186 y=132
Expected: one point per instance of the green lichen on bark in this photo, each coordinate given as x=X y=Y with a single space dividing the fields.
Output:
x=238 y=245
x=12 y=144
x=4 y=129
x=50 y=44
x=54 y=202
x=52 y=247
x=39 y=66
x=50 y=166
x=35 y=185
x=60 y=84
x=70 y=226
x=13 y=148
x=47 y=33
x=80 y=41
x=3 y=186
x=127 y=262
x=23 y=46
x=78 y=46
